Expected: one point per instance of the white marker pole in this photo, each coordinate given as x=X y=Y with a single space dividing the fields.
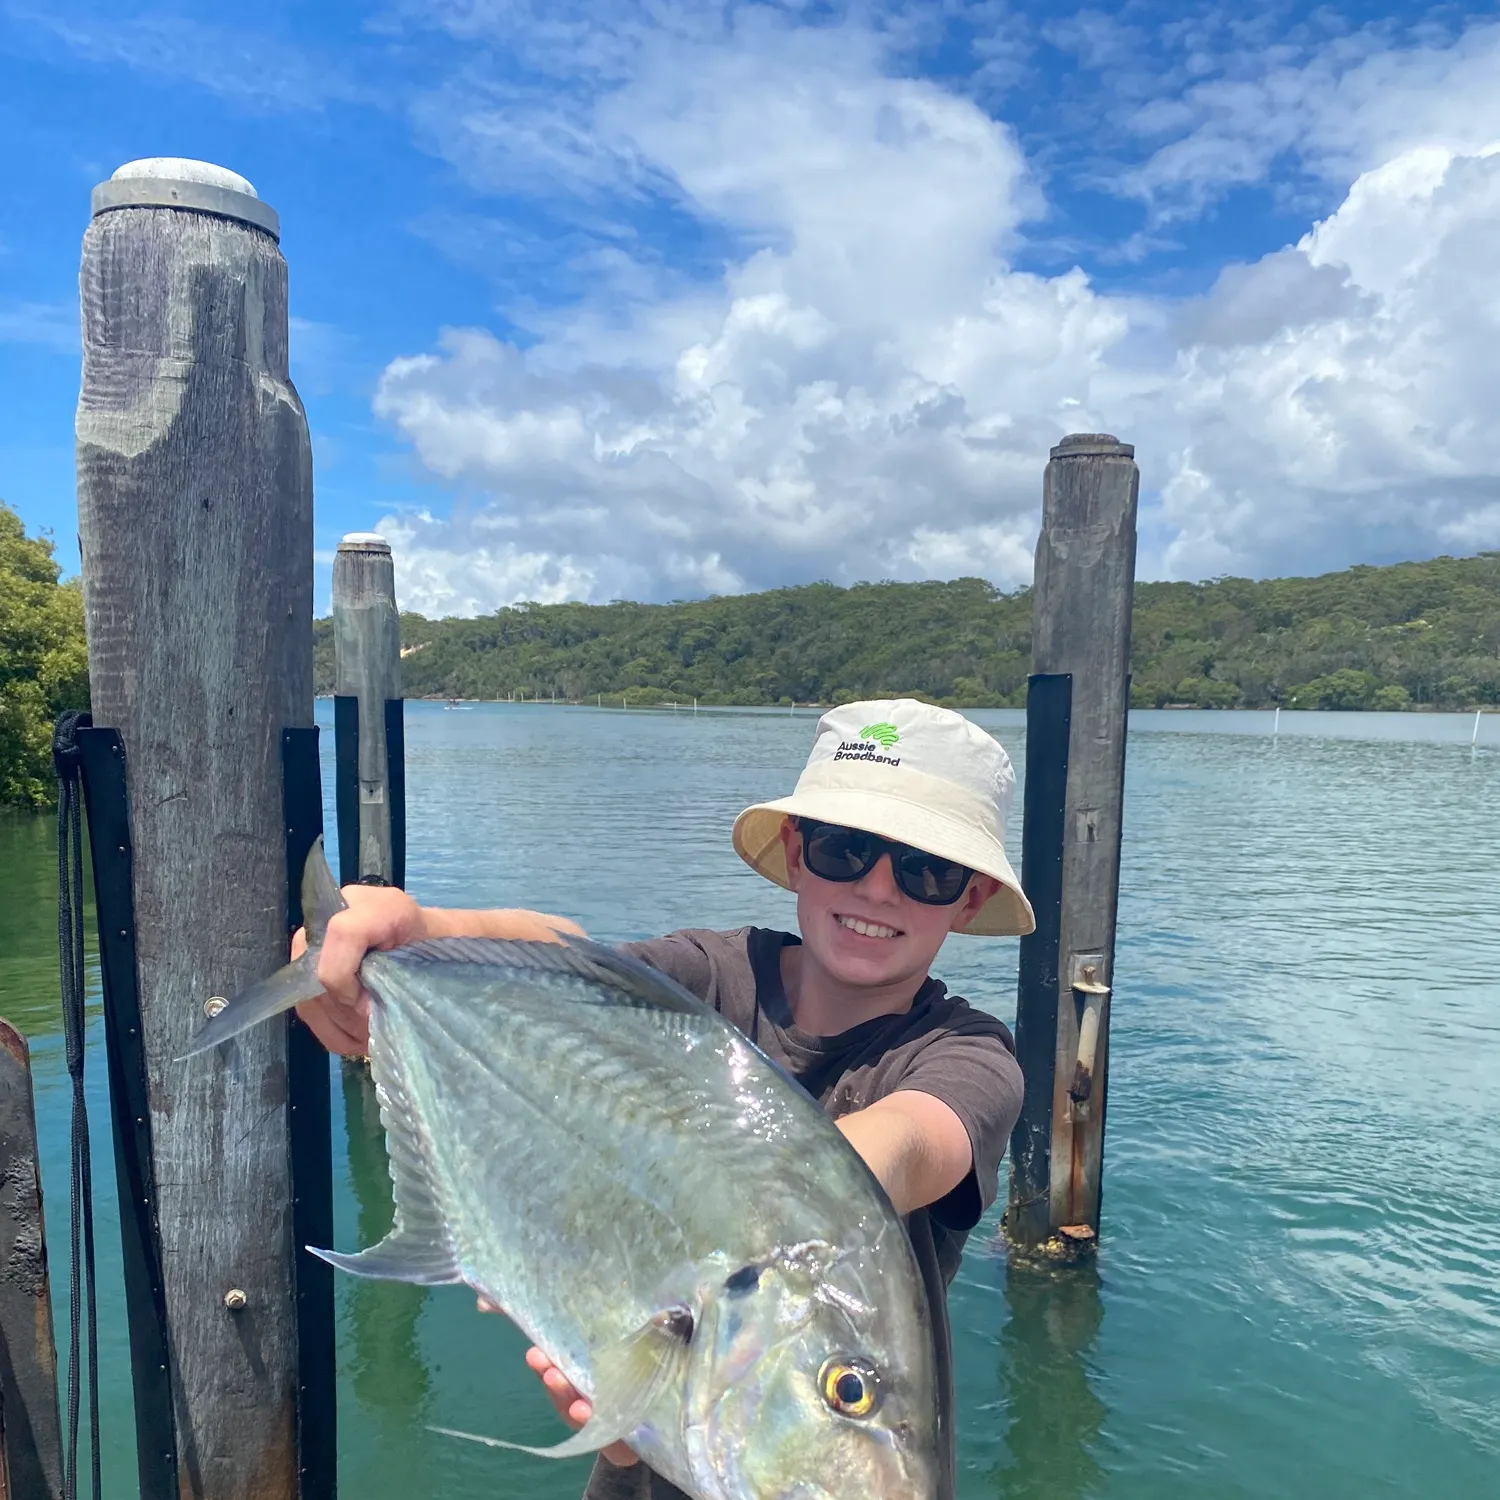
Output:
x=1276 y=723
x=1474 y=738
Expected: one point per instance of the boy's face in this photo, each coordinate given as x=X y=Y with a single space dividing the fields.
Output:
x=869 y=932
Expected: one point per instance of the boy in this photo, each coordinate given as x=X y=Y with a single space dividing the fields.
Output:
x=893 y=838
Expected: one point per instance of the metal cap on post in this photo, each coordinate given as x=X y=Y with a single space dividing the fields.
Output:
x=1076 y=720
x=176 y=182
x=195 y=525
x=367 y=709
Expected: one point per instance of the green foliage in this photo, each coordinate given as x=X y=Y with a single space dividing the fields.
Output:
x=43 y=662
x=1417 y=634
x=1344 y=689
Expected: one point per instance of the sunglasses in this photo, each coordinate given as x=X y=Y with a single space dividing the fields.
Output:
x=833 y=852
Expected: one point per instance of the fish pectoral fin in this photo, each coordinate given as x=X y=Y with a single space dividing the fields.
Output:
x=585 y=1440
x=290 y=985
x=294 y=982
x=628 y=1378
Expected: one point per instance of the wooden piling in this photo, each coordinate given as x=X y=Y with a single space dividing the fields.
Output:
x=367 y=670
x=195 y=521
x=30 y=1423
x=1076 y=722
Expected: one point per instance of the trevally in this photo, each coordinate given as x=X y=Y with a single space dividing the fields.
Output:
x=652 y=1200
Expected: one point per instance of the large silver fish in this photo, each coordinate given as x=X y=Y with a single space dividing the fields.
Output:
x=652 y=1200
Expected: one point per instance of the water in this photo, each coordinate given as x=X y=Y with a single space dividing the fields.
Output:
x=1299 y=1287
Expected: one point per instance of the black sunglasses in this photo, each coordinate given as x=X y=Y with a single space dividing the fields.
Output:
x=833 y=852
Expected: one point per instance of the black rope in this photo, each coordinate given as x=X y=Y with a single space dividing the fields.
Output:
x=70 y=892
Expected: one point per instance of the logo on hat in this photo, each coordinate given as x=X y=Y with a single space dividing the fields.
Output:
x=873 y=738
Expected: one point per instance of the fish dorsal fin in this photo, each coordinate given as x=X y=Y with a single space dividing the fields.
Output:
x=627 y=1378
x=419 y=1248
x=624 y=980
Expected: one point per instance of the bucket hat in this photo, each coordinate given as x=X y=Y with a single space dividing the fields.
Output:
x=907 y=771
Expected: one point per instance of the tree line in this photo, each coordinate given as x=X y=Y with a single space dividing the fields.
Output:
x=1411 y=635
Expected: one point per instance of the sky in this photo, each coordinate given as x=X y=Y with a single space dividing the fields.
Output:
x=653 y=299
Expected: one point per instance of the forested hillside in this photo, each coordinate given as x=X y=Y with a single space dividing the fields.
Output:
x=1414 y=634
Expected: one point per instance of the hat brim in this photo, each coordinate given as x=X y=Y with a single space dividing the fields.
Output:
x=757 y=841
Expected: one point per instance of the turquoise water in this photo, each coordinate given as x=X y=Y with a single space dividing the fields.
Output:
x=1298 y=1291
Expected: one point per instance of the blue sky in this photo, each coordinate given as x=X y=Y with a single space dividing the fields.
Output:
x=651 y=300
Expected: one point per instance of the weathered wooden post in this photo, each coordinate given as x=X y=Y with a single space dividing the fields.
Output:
x=368 y=739
x=1076 y=712
x=195 y=520
x=30 y=1424
x=370 y=782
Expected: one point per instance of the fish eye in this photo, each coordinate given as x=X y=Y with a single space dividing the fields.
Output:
x=849 y=1386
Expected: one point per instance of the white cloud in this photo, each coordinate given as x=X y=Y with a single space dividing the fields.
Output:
x=869 y=388
x=1336 y=108
x=1333 y=401
x=862 y=395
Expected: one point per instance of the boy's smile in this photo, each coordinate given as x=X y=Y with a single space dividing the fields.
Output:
x=866 y=945
x=866 y=928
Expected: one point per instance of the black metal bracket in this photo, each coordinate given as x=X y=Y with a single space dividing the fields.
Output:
x=1049 y=717
x=346 y=785
x=395 y=785
x=106 y=797
x=311 y=1126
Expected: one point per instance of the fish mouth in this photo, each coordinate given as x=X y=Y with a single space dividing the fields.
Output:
x=867 y=928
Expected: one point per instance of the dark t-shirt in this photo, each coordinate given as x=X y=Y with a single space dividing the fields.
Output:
x=942 y=1046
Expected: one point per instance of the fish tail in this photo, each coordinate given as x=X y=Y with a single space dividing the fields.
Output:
x=288 y=986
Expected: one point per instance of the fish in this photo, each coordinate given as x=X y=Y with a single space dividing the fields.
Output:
x=654 y=1201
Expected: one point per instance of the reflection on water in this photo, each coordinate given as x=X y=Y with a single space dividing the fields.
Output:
x=28 y=925
x=382 y=1361
x=1053 y=1413
x=1297 y=1291
x=388 y=1370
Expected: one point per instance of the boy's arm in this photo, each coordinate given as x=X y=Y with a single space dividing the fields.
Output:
x=916 y=1146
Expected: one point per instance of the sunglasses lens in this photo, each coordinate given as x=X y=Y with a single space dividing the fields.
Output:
x=925 y=877
x=835 y=853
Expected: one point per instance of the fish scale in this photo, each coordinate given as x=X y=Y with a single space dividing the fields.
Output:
x=553 y=1049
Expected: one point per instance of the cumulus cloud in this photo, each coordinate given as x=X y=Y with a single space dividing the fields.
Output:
x=867 y=386
x=1334 y=397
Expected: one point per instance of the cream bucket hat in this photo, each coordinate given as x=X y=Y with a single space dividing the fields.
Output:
x=921 y=775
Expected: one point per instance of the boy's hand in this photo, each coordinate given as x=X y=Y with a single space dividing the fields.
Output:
x=383 y=917
x=378 y=917
x=571 y=1407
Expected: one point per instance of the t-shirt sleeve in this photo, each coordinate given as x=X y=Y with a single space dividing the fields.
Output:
x=679 y=957
x=976 y=1075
